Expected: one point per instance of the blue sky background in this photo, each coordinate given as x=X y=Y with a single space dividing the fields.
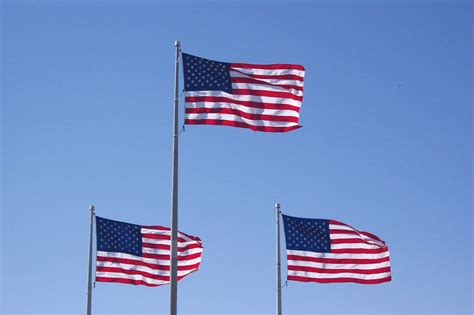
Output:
x=386 y=146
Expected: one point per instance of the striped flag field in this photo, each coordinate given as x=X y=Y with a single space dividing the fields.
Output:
x=259 y=97
x=140 y=255
x=329 y=251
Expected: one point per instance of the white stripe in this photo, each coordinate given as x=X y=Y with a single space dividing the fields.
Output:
x=154 y=231
x=266 y=87
x=360 y=235
x=245 y=109
x=337 y=266
x=165 y=262
x=282 y=71
x=354 y=245
x=317 y=275
x=246 y=98
x=164 y=232
x=167 y=252
x=156 y=272
x=341 y=227
x=339 y=236
x=348 y=228
x=236 y=118
x=373 y=242
x=131 y=277
x=167 y=242
x=235 y=74
x=338 y=256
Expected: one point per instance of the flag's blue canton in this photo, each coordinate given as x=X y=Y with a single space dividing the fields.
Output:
x=120 y=237
x=307 y=234
x=202 y=74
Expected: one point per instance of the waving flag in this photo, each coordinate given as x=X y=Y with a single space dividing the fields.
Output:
x=259 y=97
x=140 y=255
x=329 y=251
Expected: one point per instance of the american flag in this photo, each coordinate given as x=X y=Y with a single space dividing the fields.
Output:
x=140 y=255
x=259 y=97
x=329 y=251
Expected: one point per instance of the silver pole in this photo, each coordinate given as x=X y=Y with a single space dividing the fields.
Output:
x=278 y=263
x=174 y=196
x=89 y=276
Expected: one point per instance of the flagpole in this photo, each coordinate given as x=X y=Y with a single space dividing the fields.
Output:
x=278 y=262
x=89 y=276
x=174 y=195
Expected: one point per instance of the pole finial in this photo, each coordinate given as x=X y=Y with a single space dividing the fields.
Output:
x=177 y=43
x=91 y=208
x=277 y=205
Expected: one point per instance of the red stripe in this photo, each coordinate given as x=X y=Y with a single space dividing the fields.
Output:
x=243 y=103
x=281 y=66
x=168 y=247
x=375 y=237
x=133 y=272
x=133 y=262
x=273 y=77
x=339 y=280
x=255 y=81
x=136 y=272
x=129 y=281
x=359 y=251
x=337 y=231
x=162 y=228
x=237 y=112
x=145 y=264
x=239 y=125
x=350 y=241
x=155 y=227
x=356 y=241
x=266 y=93
x=162 y=237
x=338 y=223
x=339 y=260
x=332 y=271
x=125 y=281
x=167 y=257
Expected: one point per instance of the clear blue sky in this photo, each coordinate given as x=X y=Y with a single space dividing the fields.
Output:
x=386 y=146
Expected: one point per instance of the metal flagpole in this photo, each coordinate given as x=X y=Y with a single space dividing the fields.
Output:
x=278 y=263
x=174 y=196
x=89 y=277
